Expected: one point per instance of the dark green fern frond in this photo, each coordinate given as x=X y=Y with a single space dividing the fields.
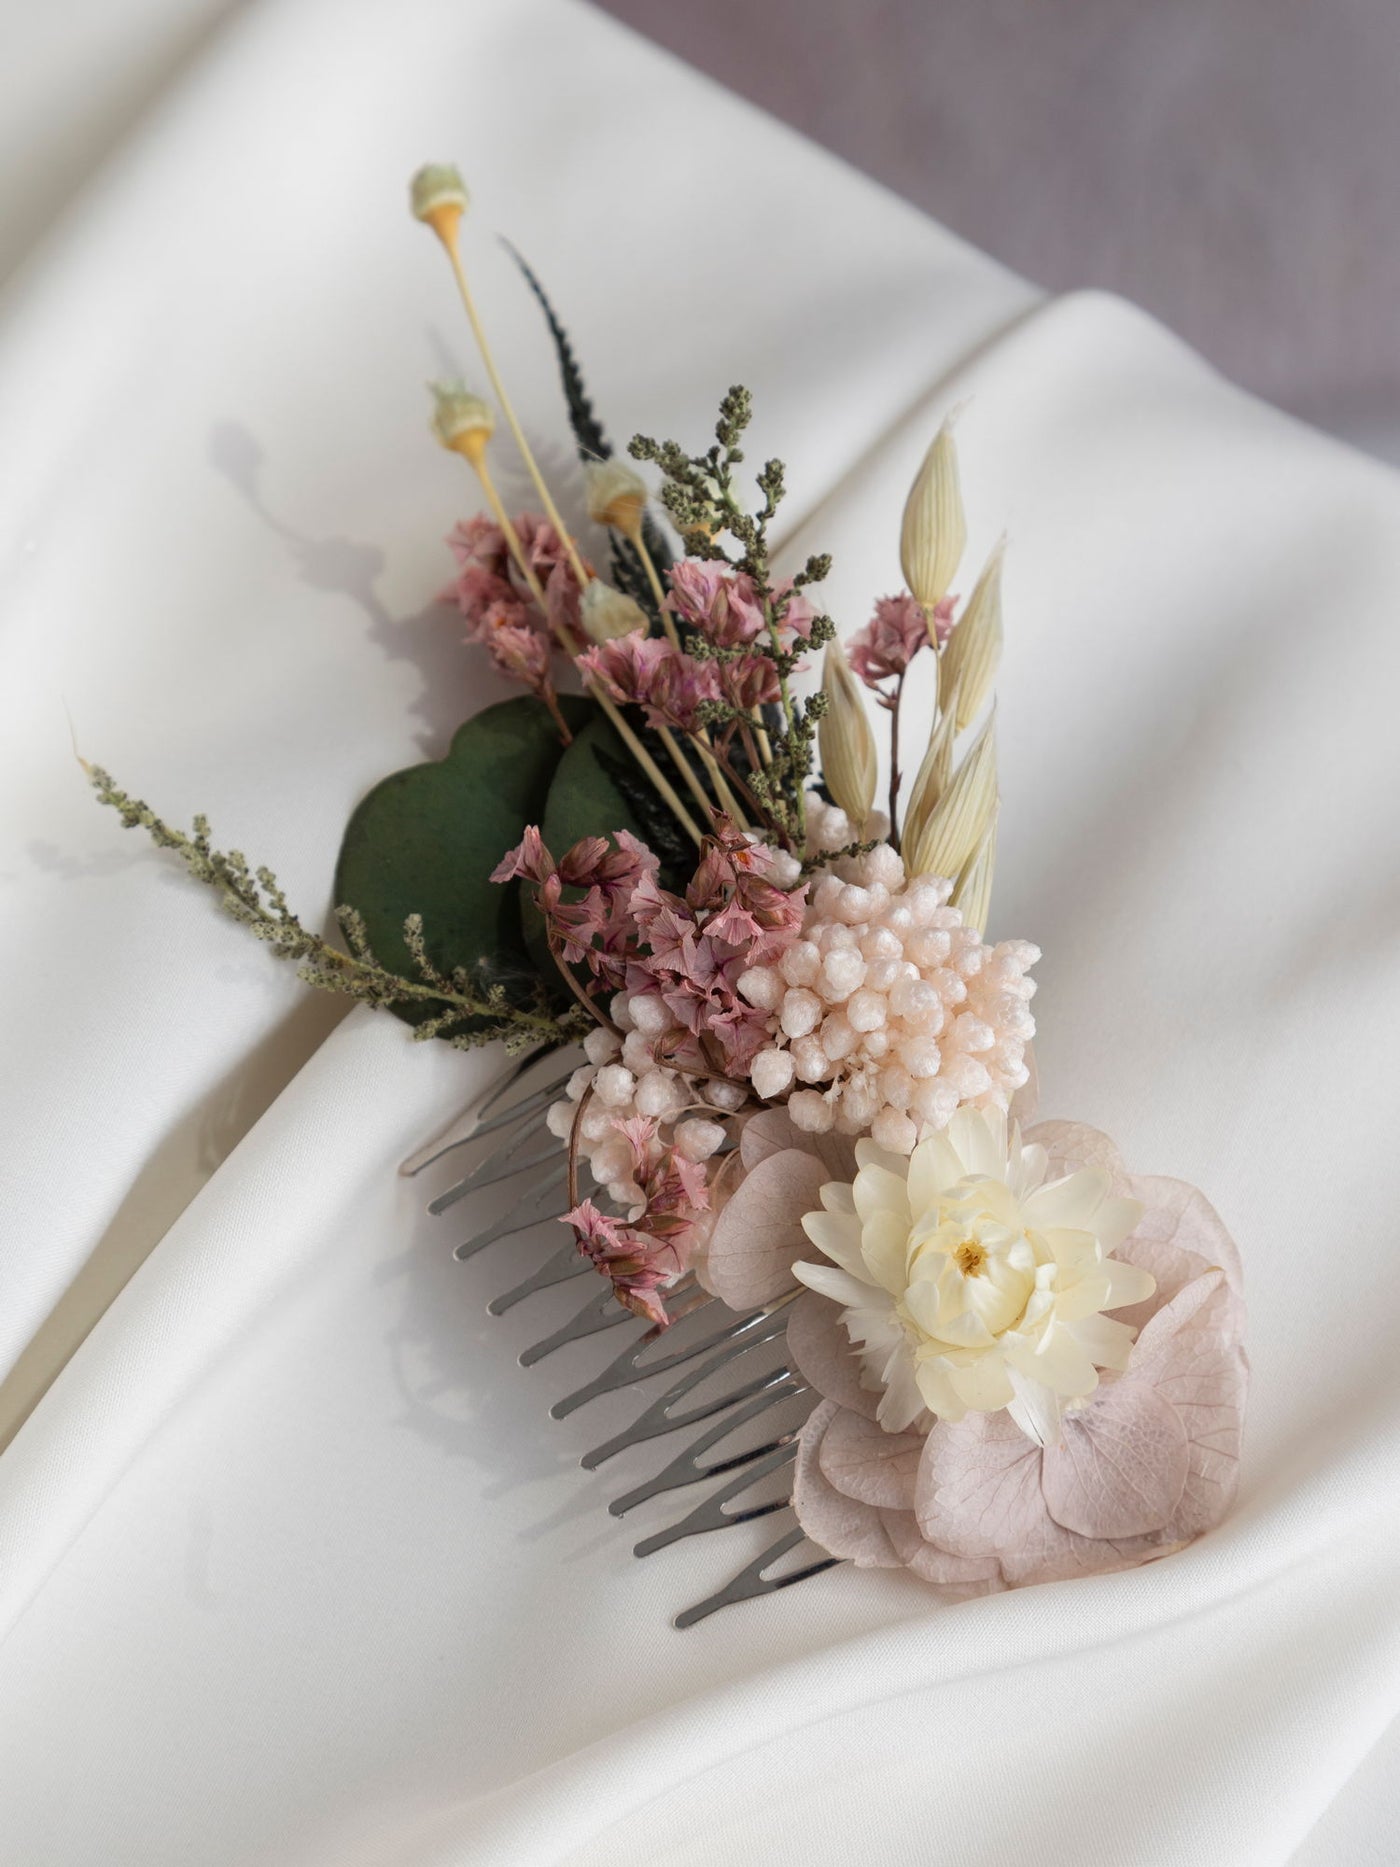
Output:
x=593 y=443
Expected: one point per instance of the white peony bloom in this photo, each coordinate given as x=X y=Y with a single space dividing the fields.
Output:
x=969 y=1284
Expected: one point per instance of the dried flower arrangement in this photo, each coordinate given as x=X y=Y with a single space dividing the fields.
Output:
x=804 y=1069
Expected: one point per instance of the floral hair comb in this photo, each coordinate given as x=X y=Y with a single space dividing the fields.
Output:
x=768 y=1072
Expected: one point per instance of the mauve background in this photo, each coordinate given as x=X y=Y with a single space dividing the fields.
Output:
x=1232 y=165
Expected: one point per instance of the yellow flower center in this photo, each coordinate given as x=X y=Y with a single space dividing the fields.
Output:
x=970 y=1258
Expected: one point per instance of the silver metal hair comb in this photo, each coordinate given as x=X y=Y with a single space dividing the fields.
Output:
x=732 y=1396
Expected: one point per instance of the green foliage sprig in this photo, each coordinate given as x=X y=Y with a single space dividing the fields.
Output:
x=471 y=1012
x=700 y=496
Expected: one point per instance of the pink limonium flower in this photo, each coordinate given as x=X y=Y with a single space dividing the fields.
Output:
x=653 y=675
x=645 y=1252
x=516 y=649
x=884 y=648
x=637 y=1266
x=597 y=929
x=496 y=604
x=721 y=603
x=725 y=605
x=695 y=949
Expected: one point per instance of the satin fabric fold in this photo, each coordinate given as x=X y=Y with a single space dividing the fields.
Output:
x=294 y=1568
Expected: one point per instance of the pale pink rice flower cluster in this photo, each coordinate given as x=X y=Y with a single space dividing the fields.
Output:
x=629 y=1082
x=888 y=1014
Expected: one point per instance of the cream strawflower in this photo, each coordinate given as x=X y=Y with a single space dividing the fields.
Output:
x=968 y=1283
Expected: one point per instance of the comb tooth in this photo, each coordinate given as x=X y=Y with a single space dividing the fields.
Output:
x=501 y=1163
x=711 y=1514
x=539 y=1100
x=510 y=1077
x=599 y=1313
x=659 y=1417
x=686 y=1469
x=559 y=1268
x=477 y=1114
x=752 y=1581
x=522 y=1147
x=629 y=1368
x=511 y=1222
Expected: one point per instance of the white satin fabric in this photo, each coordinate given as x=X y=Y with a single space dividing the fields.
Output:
x=294 y=1568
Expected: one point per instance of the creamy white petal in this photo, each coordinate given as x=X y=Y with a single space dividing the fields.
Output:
x=1128 y=1283
x=883 y=1245
x=1072 y=1201
x=1106 y=1342
x=838 y=1236
x=1116 y=1219
x=878 y=1190
x=839 y=1285
x=1057 y=1360
x=1035 y=1409
x=983 y=1383
x=902 y=1404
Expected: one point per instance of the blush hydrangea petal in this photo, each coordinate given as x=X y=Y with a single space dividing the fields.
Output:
x=771 y=1131
x=1192 y=1353
x=758 y=1236
x=957 y=1578
x=821 y=1351
x=843 y=1526
x=868 y=1464
x=1076 y=1143
x=978 y=1490
x=1120 y=1466
x=1179 y=1237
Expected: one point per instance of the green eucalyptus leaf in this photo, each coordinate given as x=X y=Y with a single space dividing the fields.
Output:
x=425 y=840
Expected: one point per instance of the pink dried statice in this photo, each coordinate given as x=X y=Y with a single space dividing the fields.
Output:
x=722 y=604
x=517 y=650
x=647 y=1111
x=637 y=1265
x=884 y=648
x=597 y=929
x=726 y=606
x=695 y=949
x=500 y=611
x=648 y=672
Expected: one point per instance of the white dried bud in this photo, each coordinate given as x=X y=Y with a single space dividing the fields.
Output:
x=461 y=421
x=762 y=986
x=600 y=1046
x=613 y=1085
x=969 y=662
x=650 y=1013
x=698 y=1139
x=607 y=613
x=954 y=829
x=850 y=764
x=810 y=1111
x=934 y=531
x=771 y=1073
x=894 y=1131
x=801 y=1013
x=656 y=1093
x=438 y=189
x=616 y=495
